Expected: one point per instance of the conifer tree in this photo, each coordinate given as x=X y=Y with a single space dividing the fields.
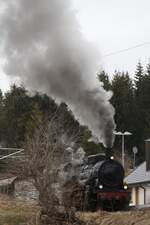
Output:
x=139 y=74
x=141 y=107
x=122 y=100
x=104 y=78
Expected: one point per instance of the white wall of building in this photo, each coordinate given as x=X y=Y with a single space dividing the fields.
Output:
x=133 y=196
x=140 y=196
x=138 y=192
x=137 y=196
x=147 y=195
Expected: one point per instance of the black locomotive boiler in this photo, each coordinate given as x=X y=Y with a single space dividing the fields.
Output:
x=104 y=187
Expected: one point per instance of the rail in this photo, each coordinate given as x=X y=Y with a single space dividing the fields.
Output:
x=18 y=150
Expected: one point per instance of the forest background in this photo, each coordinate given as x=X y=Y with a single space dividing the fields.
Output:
x=21 y=111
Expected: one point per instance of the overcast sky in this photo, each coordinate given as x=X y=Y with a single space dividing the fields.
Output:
x=113 y=25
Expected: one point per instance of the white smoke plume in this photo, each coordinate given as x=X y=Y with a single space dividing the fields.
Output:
x=69 y=171
x=43 y=46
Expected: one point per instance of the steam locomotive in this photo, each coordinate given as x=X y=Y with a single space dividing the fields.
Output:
x=104 y=187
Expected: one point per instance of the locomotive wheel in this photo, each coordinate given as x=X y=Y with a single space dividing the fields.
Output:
x=114 y=205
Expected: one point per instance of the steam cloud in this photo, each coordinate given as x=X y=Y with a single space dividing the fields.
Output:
x=69 y=171
x=44 y=47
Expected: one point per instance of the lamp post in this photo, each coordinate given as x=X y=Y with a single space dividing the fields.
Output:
x=123 y=134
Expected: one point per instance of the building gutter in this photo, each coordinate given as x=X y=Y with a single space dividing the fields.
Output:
x=138 y=183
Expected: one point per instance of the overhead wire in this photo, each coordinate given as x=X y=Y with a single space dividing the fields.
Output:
x=127 y=49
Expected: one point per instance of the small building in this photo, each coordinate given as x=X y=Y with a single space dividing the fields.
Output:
x=139 y=181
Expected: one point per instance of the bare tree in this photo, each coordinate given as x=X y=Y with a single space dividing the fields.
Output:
x=54 y=161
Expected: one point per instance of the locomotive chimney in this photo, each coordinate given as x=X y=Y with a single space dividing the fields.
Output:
x=108 y=153
x=147 y=154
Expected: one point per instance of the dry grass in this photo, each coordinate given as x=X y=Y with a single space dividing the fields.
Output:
x=14 y=212
x=91 y=218
x=137 y=217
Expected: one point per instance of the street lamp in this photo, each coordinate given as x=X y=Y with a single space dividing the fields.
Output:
x=119 y=133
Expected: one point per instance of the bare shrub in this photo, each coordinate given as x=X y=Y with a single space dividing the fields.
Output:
x=54 y=159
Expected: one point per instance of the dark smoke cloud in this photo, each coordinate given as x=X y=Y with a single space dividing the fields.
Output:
x=44 y=47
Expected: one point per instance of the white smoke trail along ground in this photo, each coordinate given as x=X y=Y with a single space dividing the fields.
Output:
x=43 y=46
